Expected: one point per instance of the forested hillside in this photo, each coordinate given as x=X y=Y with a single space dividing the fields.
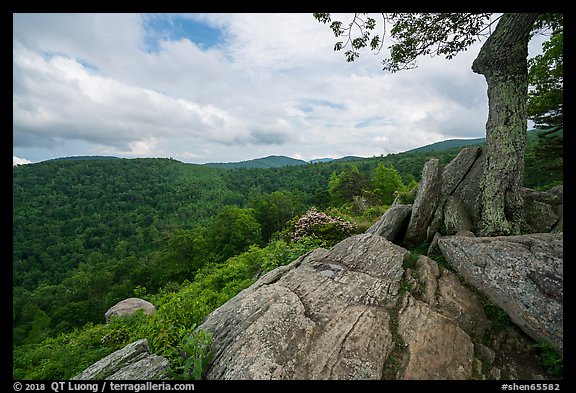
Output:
x=265 y=162
x=88 y=233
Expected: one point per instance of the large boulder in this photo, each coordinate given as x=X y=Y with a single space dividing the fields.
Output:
x=348 y=313
x=427 y=200
x=458 y=169
x=128 y=307
x=448 y=200
x=461 y=179
x=543 y=211
x=456 y=216
x=437 y=347
x=458 y=207
x=392 y=224
x=521 y=274
x=325 y=316
x=133 y=362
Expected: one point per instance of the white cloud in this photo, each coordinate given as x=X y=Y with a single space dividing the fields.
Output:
x=19 y=161
x=272 y=86
x=58 y=97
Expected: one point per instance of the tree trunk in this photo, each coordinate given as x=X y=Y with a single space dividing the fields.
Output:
x=502 y=61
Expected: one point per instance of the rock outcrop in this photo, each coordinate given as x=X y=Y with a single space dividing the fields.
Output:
x=366 y=310
x=133 y=362
x=436 y=347
x=362 y=310
x=449 y=198
x=128 y=307
x=325 y=316
x=544 y=210
x=344 y=313
x=425 y=204
x=521 y=274
x=392 y=225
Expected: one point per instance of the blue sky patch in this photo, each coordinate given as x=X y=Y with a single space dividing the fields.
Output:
x=170 y=27
x=308 y=105
x=373 y=121
x=49 y=55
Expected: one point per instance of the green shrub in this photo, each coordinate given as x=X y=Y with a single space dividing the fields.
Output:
x=551 y=360
x=62 y=357
x=170 y=331
x=328 y=229
x=373 y=213
x=408 y=196
x=497 y=316
x=194 y=356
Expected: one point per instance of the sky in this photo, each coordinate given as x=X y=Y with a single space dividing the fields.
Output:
x=214 y=87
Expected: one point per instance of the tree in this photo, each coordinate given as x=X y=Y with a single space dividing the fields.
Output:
x=183 y=256
x=387 y=181
x=545 y=99
x=502 y=61
x=345 y=186
x=546 y=77
x=232 y=231
x=273 y=211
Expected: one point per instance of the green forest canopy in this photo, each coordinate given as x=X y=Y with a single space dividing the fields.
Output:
x=88 y=233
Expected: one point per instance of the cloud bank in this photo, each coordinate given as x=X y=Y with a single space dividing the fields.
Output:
x=224 y=87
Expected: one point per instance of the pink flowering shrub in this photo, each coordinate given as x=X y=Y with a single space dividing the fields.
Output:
x=319 y=225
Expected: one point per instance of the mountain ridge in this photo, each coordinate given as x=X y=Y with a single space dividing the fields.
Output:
x=277 y=161
x=271 y=161
x=447 y=144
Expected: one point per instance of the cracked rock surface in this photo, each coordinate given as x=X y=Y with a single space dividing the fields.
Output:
x=357 y=311
x=325 y=316
x=521 y=274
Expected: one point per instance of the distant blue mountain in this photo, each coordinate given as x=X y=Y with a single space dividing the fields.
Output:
x=317 y=160
x=350 y=158
x=84 y=158
x=448 y=144
x=275 y=162
x=281 y=161
x=265 y=162
x=452 y=143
